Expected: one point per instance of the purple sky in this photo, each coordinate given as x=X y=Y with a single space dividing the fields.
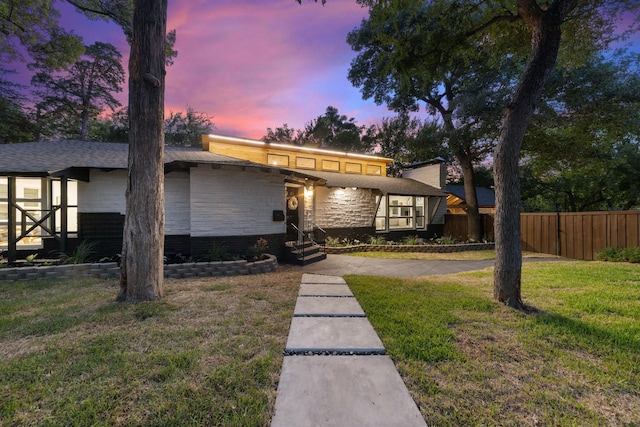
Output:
x=253 y=64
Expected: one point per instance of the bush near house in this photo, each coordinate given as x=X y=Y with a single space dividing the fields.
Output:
x=619 y=255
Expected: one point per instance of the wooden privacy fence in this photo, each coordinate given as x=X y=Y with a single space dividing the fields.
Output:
x=456 y=226
x=578 y=235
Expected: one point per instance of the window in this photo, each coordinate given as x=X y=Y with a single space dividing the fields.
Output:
x=400 y=212
x=305 y=163
x=278 y=160
x=420 y=210
x=352 y=167
x=381 y=214
x=374 y=170
x=331 y=165
x=397 y=212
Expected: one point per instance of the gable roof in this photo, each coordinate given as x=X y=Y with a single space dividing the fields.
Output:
x=47 y=158
x=486 y=196
x=388 y=185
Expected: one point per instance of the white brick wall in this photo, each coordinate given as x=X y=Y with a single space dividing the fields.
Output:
x=434 y=175
x=339 y=208
x=232 y=202
x=177 y=209
x=104 y=193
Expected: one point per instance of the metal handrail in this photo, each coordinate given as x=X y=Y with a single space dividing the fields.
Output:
x=300 y=239
x=319 y=235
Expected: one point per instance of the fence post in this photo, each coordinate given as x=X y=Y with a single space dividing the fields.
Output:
x=11 y=219
x=558 y=244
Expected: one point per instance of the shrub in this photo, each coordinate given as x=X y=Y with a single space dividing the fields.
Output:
x=377 y=240
x=260 y=247
x=340 y=241
x=81 y=254
x=619 y=255
x=446 y=240
x=411 y=240
x=217 y=252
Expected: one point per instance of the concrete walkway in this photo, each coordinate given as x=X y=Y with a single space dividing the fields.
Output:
x=339 y=265
x=335 y=371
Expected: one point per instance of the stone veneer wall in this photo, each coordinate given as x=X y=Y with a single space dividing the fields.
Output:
x=410 y=248
x=110 y=270
x=345 y=207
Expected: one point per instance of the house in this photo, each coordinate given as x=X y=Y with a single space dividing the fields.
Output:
x=229 y=192
x=456 y=199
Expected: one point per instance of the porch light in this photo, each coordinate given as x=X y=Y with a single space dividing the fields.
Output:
x=308 y=191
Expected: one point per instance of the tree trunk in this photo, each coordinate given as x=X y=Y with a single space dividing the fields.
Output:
x=545 y=42
x=141 y=270
x=474 y=220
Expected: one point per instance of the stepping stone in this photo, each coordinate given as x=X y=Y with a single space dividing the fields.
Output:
x=328 y=306
x=333 y=334
x=343 y=391
x=313 y=290
x=321 y=278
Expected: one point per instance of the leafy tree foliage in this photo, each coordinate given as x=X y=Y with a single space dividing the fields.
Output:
x=582 y=145
x=406 y=139
x=121 y=12
x=466 y=92
x=29 y=29
x=330 y=130
x=15 y=123
x=186 y=128
x=429 y=41
x=283 y=135
x=335 y=131
x=71 y=98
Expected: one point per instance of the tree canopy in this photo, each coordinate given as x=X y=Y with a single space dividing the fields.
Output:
x=412 y=51
x=69 y=99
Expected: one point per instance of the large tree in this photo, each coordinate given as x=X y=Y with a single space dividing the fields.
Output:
x=141 y=269
x=527 y=32
x=69 y=99
x=465 y=91
x=547 y=24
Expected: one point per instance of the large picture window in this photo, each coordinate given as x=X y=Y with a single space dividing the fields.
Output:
x=397 y=212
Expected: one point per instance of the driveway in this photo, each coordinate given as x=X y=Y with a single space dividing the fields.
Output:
x=339 y=265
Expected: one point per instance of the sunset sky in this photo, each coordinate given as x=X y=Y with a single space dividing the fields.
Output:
x=253 y=64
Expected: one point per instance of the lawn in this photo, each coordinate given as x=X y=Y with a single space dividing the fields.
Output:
x=210 y=353
x=469 y=361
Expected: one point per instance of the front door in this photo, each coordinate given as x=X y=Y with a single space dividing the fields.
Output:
x=293 y=217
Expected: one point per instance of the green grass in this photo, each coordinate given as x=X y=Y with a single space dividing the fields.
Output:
x=470 y=361
x=209 y=353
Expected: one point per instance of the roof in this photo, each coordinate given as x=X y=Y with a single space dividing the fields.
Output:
x=486 y=196
x=388 y=185
x=47 y=158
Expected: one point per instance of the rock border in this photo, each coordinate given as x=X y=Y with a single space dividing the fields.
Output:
x=111 y=270
x=410 y=248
